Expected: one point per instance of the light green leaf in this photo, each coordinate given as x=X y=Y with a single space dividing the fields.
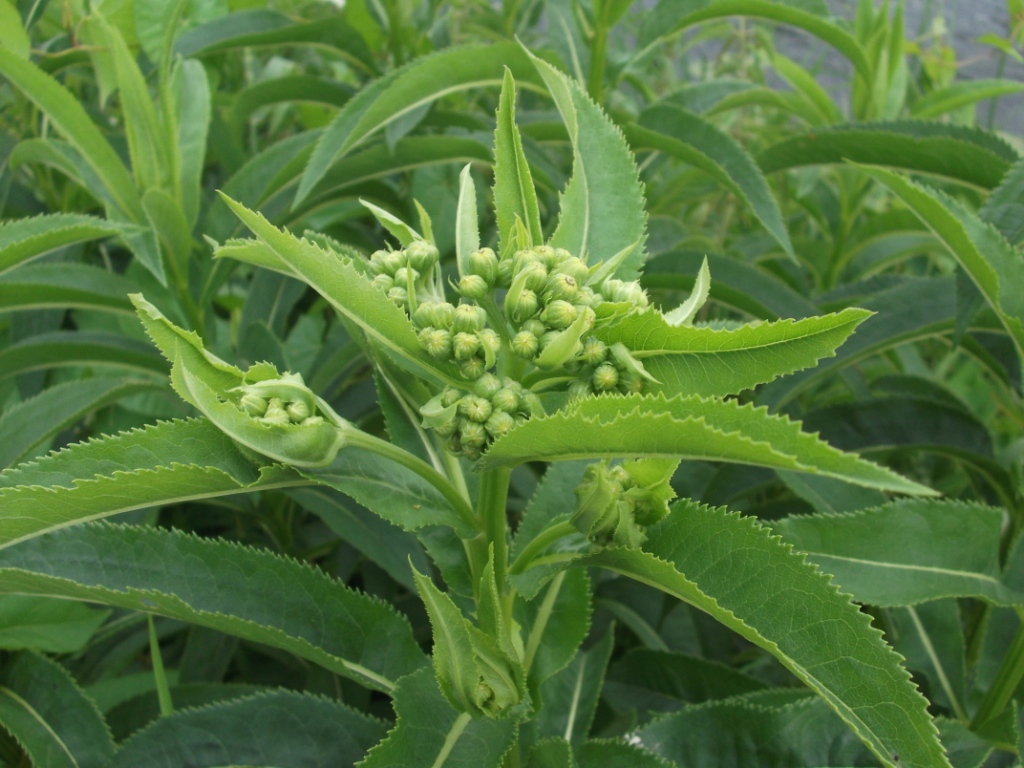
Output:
x=1004 y=208
x=22 y=240
x=602 y=206
x=283 y=729
x=405 y=234
x=907 y=552
x=691 y=139
x=735 y=570
x=708 y=361
x=514 y=194
x=191 y=90
x=65 y=286
x=246 y=592
x=59 y=349
x=984 y=254
x=13 y=36
x=47 y=625
x=55 y=722
x=962 y=94
x=430 y=734
x=467 y=228
x=685 y=312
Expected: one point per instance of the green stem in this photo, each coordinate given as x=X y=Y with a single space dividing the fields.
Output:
x=1010 y=673
x=541 y=622
x=595 y=82
x=359 y=439
x=542 y=541
x=163 y=690
x=491 y=504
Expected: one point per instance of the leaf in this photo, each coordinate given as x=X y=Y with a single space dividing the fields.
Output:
x=984 y=254
x=349 y=292
x=70 y=348
x=907 y=552
x=961 y=94
x=669 y=17
x=71 y=120
x=65 y=286
x=514 y=194
x=284 y=729
x=558 y=623
x=601 y=753
x=13 y=36
x=28 y=425
x=250 y=593
x=684 y=427
x=732 y=568
x=284 y=90
x=551 y=753
x=685 y=312
x=402 y=91
x=602 y=207
x=47 y=625
x=711 y=362
x=54 y=721
x=467 y=227
x=1004 y=208
x=22 y=240
x=950 y=151
x=430 y=734
x=192 y=112
x=684 y=136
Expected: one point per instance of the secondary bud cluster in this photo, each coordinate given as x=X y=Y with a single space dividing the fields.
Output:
x=401 y=273
x=280 y=401
x=458 y=334
x=613 y=509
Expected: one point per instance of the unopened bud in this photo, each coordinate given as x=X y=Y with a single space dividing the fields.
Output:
x=548 y=256
x=450 y=396
x=473 y=368
x=422 y=255
x=594 y=352
x=436 y=342
x=487 y=385
x=465 y=345
x=574 y=268
x=386 y=262
x=559 y=314
x=473 y=287
x=469 y=318
x=605 y=377
x=297 y=411
x=536 y=275
x=475 y=408
x=525 y=345
x=252 y=404
x=275 y=414
x=505 y=400
x=561 y=287
x=484 y=263
x=579 y=389
x=536 y=327
x=499 y=424
x=523 y=306
x=504 y=278
x=473 y=434
x=399 y=295
x=406 y=274
x=383 y=282
x=438 y=314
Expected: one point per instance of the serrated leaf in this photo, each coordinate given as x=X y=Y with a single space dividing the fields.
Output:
x=907 y=552
x=602 y=206
x=349 y=292
x=1004 y=208
x=962 y=94
x=65 y=286
x=47 y=625
x=684 y=427
x=253 y=594
x=712 y=362
x=467 y=227
x=514 y=194
x=684 y=136
x=685 y=312
x=605 y=753
x=558 y=623
x=192 y=120
x=951 y=151
x=51 y=717
x=22 y=240
x=790 y=609
x=551 y=753
x=284 y=729
x=430 y=734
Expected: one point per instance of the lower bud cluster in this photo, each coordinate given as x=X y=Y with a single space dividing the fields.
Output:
x=281 y=401
x=401 y=273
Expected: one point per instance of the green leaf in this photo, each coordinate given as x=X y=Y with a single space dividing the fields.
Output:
x=551 y=753
x=22 y=240
x=984 y=254
x=283 y=729
x=684 y=427
x=430 y=734
x=949 y=151
x=65 y=286
x=192 y=113
x=735 y=570
x=712 y=362
x=419 y=83
x=69 y=117
x=684 y=136
x=250 y=593
x=285 y=90
x=907 y=552
x=962 y=94
x=670 y=17
x=1004 y=208
x=467 y=227
x=47 y=625
x=514 y=194
x=558 y=624
x=55 y=722
x=601 y=753
x=349 y=292
x=602 y=207
x=28 y=425
x=13 y=36
x=70 y=348
x=685 y=312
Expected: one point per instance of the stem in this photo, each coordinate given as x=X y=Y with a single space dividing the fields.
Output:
x=1006 y=680
x=538 y=544
x=541 y=622
x=360 y=439
x=163 y=690
x=492 y=506
x=595 y=82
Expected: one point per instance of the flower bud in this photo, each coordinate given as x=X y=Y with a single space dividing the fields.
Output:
x=473 y=287
x=548 y=256
x=436 y=342
x=505 y=400
x=521 y=258
x=469 y=318
x=404 y=275
x=605 y=377
x=312 y=421
x=536 y=275
x=594 y=352
x=275 y=414
x=253 y=404
x=575 y=268
x=454 y=443
x=546 y=338
x=499 y=424
x=465 y=345
x=630 y=383
x=487 y=385
x=473 y=368
x=450 y=396
x=438 y=314
x=475 y=408
x=471 y=452
x=386 y=262
x=536 y=327
x=297 y=411
x=472 y=433
x=422 y=255
x=490 y=344
x=383 y=282
x=523 y=306
x=504 y=277
x=627 y=292
x=447 y=428
x=579 y=389
x=399 y=295
x=588 y=298
x=529 y=404
x=559 y=314
x=525 y=345
x=484 y=263
x=562 y=287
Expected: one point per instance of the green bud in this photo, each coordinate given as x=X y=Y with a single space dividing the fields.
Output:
x=579 y=389
x=484 y=263
x=630 y=292
x=404 y=275
x=399 y=295
x=521 y=258
x=605 y=377
x=275 y=414
x=596 y=497
x=536 y=275
x=386 y=262
x=312 y=421
x=487 y=385
x=559 y=314
x=383 y=282
x=499 y=424
x=450 y=396
x=253 y=404
x=548 y=256
x=422 y=255
x=524 y=306
x=469 y=318
x=465 y=345
x=504 y=278
x=473 y=433
x=536 y=327
x=473 y=287
x=530 y=405
x=561 y=287
x=436 y=342
x=473 y=368
x=454 y=443
x=525 y=345
x=297 y=411
x=475 y=408
x=447 y=428
x=505 y=400
x=438 y=314
x=471 y=452
x=562 y=255
x=594 y=351
x=588 y=298
x=630 y=383
x=574 y=268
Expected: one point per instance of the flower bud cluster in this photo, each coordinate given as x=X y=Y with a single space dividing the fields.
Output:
x=400 y=273
x=281 y=401
x=458 y=334
x=612 y=509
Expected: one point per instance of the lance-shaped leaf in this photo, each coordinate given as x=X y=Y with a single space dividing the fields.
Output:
x=1004 y=208
x=430 y=734
x=51 y=717
x=284 y=729
x=514 y=194
x=60 y=349
x=349 y=291
x=717 y=362
x=608 y=753
x=602 y=206
x=65 y=286
x=735 y=570
x=173 y=462
x=253 y=594
x=982 y=251
x=685 y=427
x=907 y=552
x=22 y=240
x=957 y=95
